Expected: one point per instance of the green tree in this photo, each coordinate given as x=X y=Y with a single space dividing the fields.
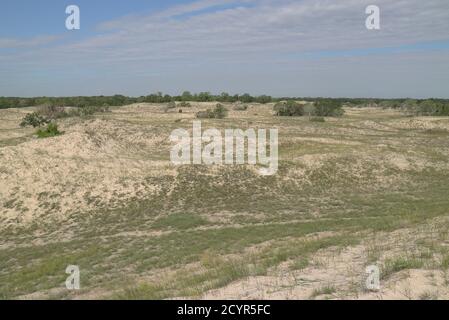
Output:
x=328 y=108
x=186 y=96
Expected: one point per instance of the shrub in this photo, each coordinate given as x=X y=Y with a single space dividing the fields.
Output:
x=430 y=107
x=52 y=112
x=170 y=106
x=82 y=111
x=264 y=99
x=289 y=109
x=220 y=112
x=50 y=131
x=390 y=104
x=89 y=110
x=33 y=119
x=204 y=114
x=328 y=108
x=241 y=107
x=47 y=113
x=185 y=104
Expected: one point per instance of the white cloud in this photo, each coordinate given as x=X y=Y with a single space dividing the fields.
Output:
x=27 y=43
x=270 y=27
x=260 y=33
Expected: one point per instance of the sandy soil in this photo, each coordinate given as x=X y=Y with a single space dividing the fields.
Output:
x=115 y=159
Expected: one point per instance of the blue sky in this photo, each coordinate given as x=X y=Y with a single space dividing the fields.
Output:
x=277 y=47
x=47 y=16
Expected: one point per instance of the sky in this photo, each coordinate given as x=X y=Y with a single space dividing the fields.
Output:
x=304 y=48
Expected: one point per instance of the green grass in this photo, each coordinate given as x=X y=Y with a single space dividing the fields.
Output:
x=180 y=221
x=394 y=265
x=50 y=131
x=185 y=243
x=299 y=264
x=317 y=119
x=323 y=291
x=445 y=262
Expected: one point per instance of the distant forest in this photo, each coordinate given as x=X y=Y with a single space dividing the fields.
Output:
x=424 y=107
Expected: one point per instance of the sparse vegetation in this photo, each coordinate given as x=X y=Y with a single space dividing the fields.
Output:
x=241 y=107
x=169 y=232
x=394 y=265
x=429 y=296
x=220 y=112
x=34 y=119
x=299 y=264
x=48 y=113
x=328 y=108
x=85 y=111
x=326 y=290
x=289 y=109
x=52 y=112
x=317 y=119
x=185 y=104
x=50 y=131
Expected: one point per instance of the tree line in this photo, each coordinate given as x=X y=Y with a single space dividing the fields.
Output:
x=417 y=107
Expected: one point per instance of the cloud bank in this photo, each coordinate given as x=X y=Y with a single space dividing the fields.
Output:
x=301 y=48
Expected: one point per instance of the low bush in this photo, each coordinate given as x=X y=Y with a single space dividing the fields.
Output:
x=34 y=119
x=50 y=131
x=220 y=112
x=241 y=107
x=204 y=114
x=328 y=108
x=47 y=113
x=169 y=106
x=52 y=112
x=289 y=109
x=430 y=107
x=85 y=111
x=185 y=104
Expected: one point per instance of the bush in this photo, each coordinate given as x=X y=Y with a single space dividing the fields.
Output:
x=430 y=107
x=220 y=112
x=264 y=99
x=45 y=114
x=170 y=106
x=204 y=114
x=289 y=109
x=85 y=111
x=52 y=112
x=50 y=131
x=328 y=108
x=185 y=105
x=34 y=119
x=241 y=107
